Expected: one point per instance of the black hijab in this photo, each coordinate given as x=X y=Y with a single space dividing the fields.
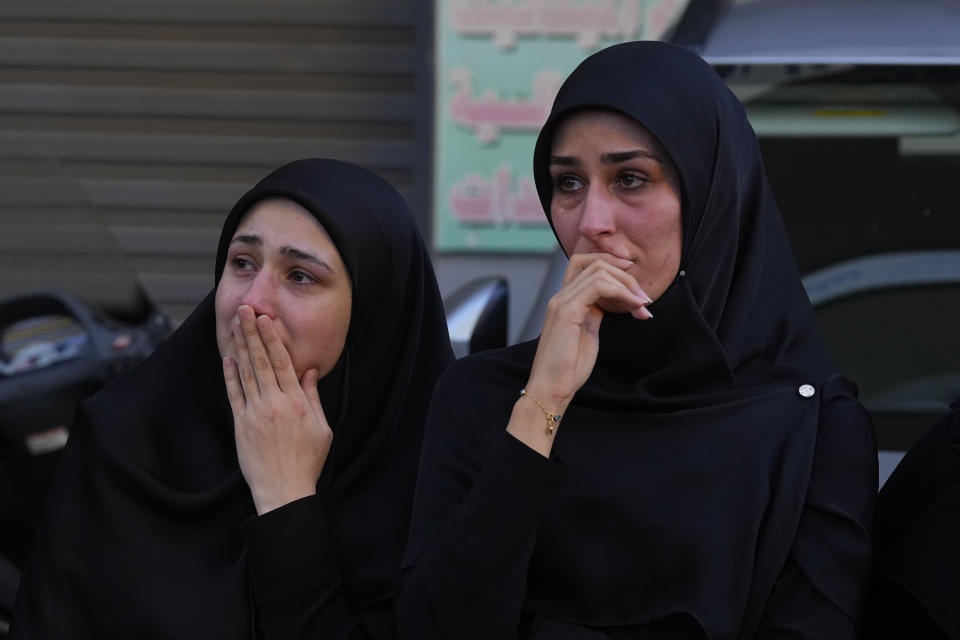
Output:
x=141 y=533
x=737 y=262
x=700 y=473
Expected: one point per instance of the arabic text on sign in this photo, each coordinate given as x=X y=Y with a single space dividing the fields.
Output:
x=478 y=200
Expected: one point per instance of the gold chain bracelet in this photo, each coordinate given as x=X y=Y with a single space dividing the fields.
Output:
x=552 y=418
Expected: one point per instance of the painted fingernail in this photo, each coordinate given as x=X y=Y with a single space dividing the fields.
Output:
x=645 y=313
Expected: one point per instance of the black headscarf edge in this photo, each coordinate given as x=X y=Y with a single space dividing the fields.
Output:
x=269 y=188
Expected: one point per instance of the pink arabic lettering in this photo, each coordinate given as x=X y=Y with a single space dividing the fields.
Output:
x=478 y=200
x=488 y=115
x=588 y=21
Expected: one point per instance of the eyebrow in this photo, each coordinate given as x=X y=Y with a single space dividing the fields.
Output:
x=615 y=157
x=247 y=238
x=252 y=239
x=299 y=254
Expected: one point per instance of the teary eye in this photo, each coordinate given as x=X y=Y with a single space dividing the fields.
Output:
x=630 y=180
x=568 y=182
x=301 y=277
x=241 y=264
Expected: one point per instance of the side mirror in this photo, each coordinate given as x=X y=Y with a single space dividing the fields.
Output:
x=477 y=315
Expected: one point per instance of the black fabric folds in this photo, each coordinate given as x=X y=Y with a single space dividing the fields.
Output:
x=705 y=495
x=916 y=531
x=141 y=536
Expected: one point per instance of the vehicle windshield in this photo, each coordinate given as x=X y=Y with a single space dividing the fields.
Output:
x=864 y=162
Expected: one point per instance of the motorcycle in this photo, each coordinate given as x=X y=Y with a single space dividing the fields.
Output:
x=57 y=345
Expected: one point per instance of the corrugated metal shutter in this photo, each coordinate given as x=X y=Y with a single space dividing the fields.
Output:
x=163 y=113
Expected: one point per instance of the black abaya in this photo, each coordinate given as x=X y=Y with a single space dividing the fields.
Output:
x=714 y=477
x=915 y=591
x=149 y=529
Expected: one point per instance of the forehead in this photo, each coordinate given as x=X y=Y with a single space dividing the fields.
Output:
x=604 y=127
x=280 y=225
x=281 y=216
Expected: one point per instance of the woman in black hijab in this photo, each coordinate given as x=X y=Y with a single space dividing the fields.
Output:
x=150 y=528
x=685 y=460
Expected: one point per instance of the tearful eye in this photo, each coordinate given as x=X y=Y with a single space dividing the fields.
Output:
x=301 y=277
x=630 y=180
x=241 y=264
x=567 y=183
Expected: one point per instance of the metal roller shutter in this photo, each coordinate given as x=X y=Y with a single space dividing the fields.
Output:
x=162 y=113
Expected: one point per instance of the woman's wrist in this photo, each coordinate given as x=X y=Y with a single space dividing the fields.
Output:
x=266 y=501
x=548 y=396
x=534 y=424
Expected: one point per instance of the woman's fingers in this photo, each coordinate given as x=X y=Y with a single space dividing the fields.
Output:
x=584 y=267
x=248 y=379
x=309 y=385
x=579 y=262
x=609 y=294
x=570 y=339
x=279 y=356
x=604 y=284
x=259 y=359
x=282 y=444
x=231 y=376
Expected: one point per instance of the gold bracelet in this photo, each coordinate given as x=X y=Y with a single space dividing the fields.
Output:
x=552 y=418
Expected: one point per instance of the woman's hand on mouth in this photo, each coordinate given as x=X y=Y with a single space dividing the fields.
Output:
x=281 y=433
x=569 y=342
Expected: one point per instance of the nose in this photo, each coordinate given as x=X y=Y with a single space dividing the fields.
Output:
x=260 y=295
x=598 y=217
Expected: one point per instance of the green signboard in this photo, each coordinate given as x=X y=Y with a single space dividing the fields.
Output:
x=499 y=66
